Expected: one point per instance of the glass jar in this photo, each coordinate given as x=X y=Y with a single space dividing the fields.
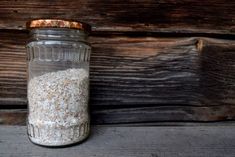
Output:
x=58 y=57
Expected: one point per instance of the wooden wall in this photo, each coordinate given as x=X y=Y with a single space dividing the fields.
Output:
x=152 y=61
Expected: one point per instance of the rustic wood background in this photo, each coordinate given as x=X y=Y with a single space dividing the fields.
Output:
x=152 y=61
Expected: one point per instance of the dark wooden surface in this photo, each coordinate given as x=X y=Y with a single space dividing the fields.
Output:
x=12 y=68
x=141 y=115
x=192 y=16
x=197 y=141
x=152 y=61
x=138 y=79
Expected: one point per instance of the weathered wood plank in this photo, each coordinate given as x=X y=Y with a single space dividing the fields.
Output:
x=12 y=67
x=163 y=116
x=123 y=70
x=218 y=72
x=140 y=115
x=162 y=79
x=163 y=113
x=185 y=16
x=130 y=142
x=144 y=71
x=13 y=117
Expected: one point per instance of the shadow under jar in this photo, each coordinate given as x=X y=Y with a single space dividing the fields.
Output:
x=58 y=82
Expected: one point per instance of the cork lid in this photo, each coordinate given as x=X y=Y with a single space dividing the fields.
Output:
x=57 y=23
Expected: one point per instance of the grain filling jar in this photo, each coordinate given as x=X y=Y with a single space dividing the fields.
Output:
x=58 y=57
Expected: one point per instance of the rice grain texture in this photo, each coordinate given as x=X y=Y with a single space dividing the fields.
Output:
x=58 y=107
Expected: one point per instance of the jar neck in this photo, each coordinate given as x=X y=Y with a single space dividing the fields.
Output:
x=58 y=34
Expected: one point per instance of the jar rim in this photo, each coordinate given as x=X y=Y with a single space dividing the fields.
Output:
x=58 y=23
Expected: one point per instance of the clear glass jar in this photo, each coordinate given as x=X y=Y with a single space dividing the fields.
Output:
x=58 y=82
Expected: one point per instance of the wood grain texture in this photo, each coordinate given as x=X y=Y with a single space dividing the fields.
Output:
x=139 y=115
x=12 y=67
x=140 y=79
x=130 y=142
x=144 y=71
x=218 y=72
x=185 y=16
x=13 y=117
x=164 y=116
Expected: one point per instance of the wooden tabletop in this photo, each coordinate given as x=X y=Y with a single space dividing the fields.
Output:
x=113 y=141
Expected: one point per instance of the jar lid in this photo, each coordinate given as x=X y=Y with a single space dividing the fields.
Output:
x=57 y=23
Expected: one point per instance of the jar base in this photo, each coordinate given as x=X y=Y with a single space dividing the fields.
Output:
x=56 y=145
x=56 y=136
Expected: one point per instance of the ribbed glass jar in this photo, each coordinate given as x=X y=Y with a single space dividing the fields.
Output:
x=58 y=85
